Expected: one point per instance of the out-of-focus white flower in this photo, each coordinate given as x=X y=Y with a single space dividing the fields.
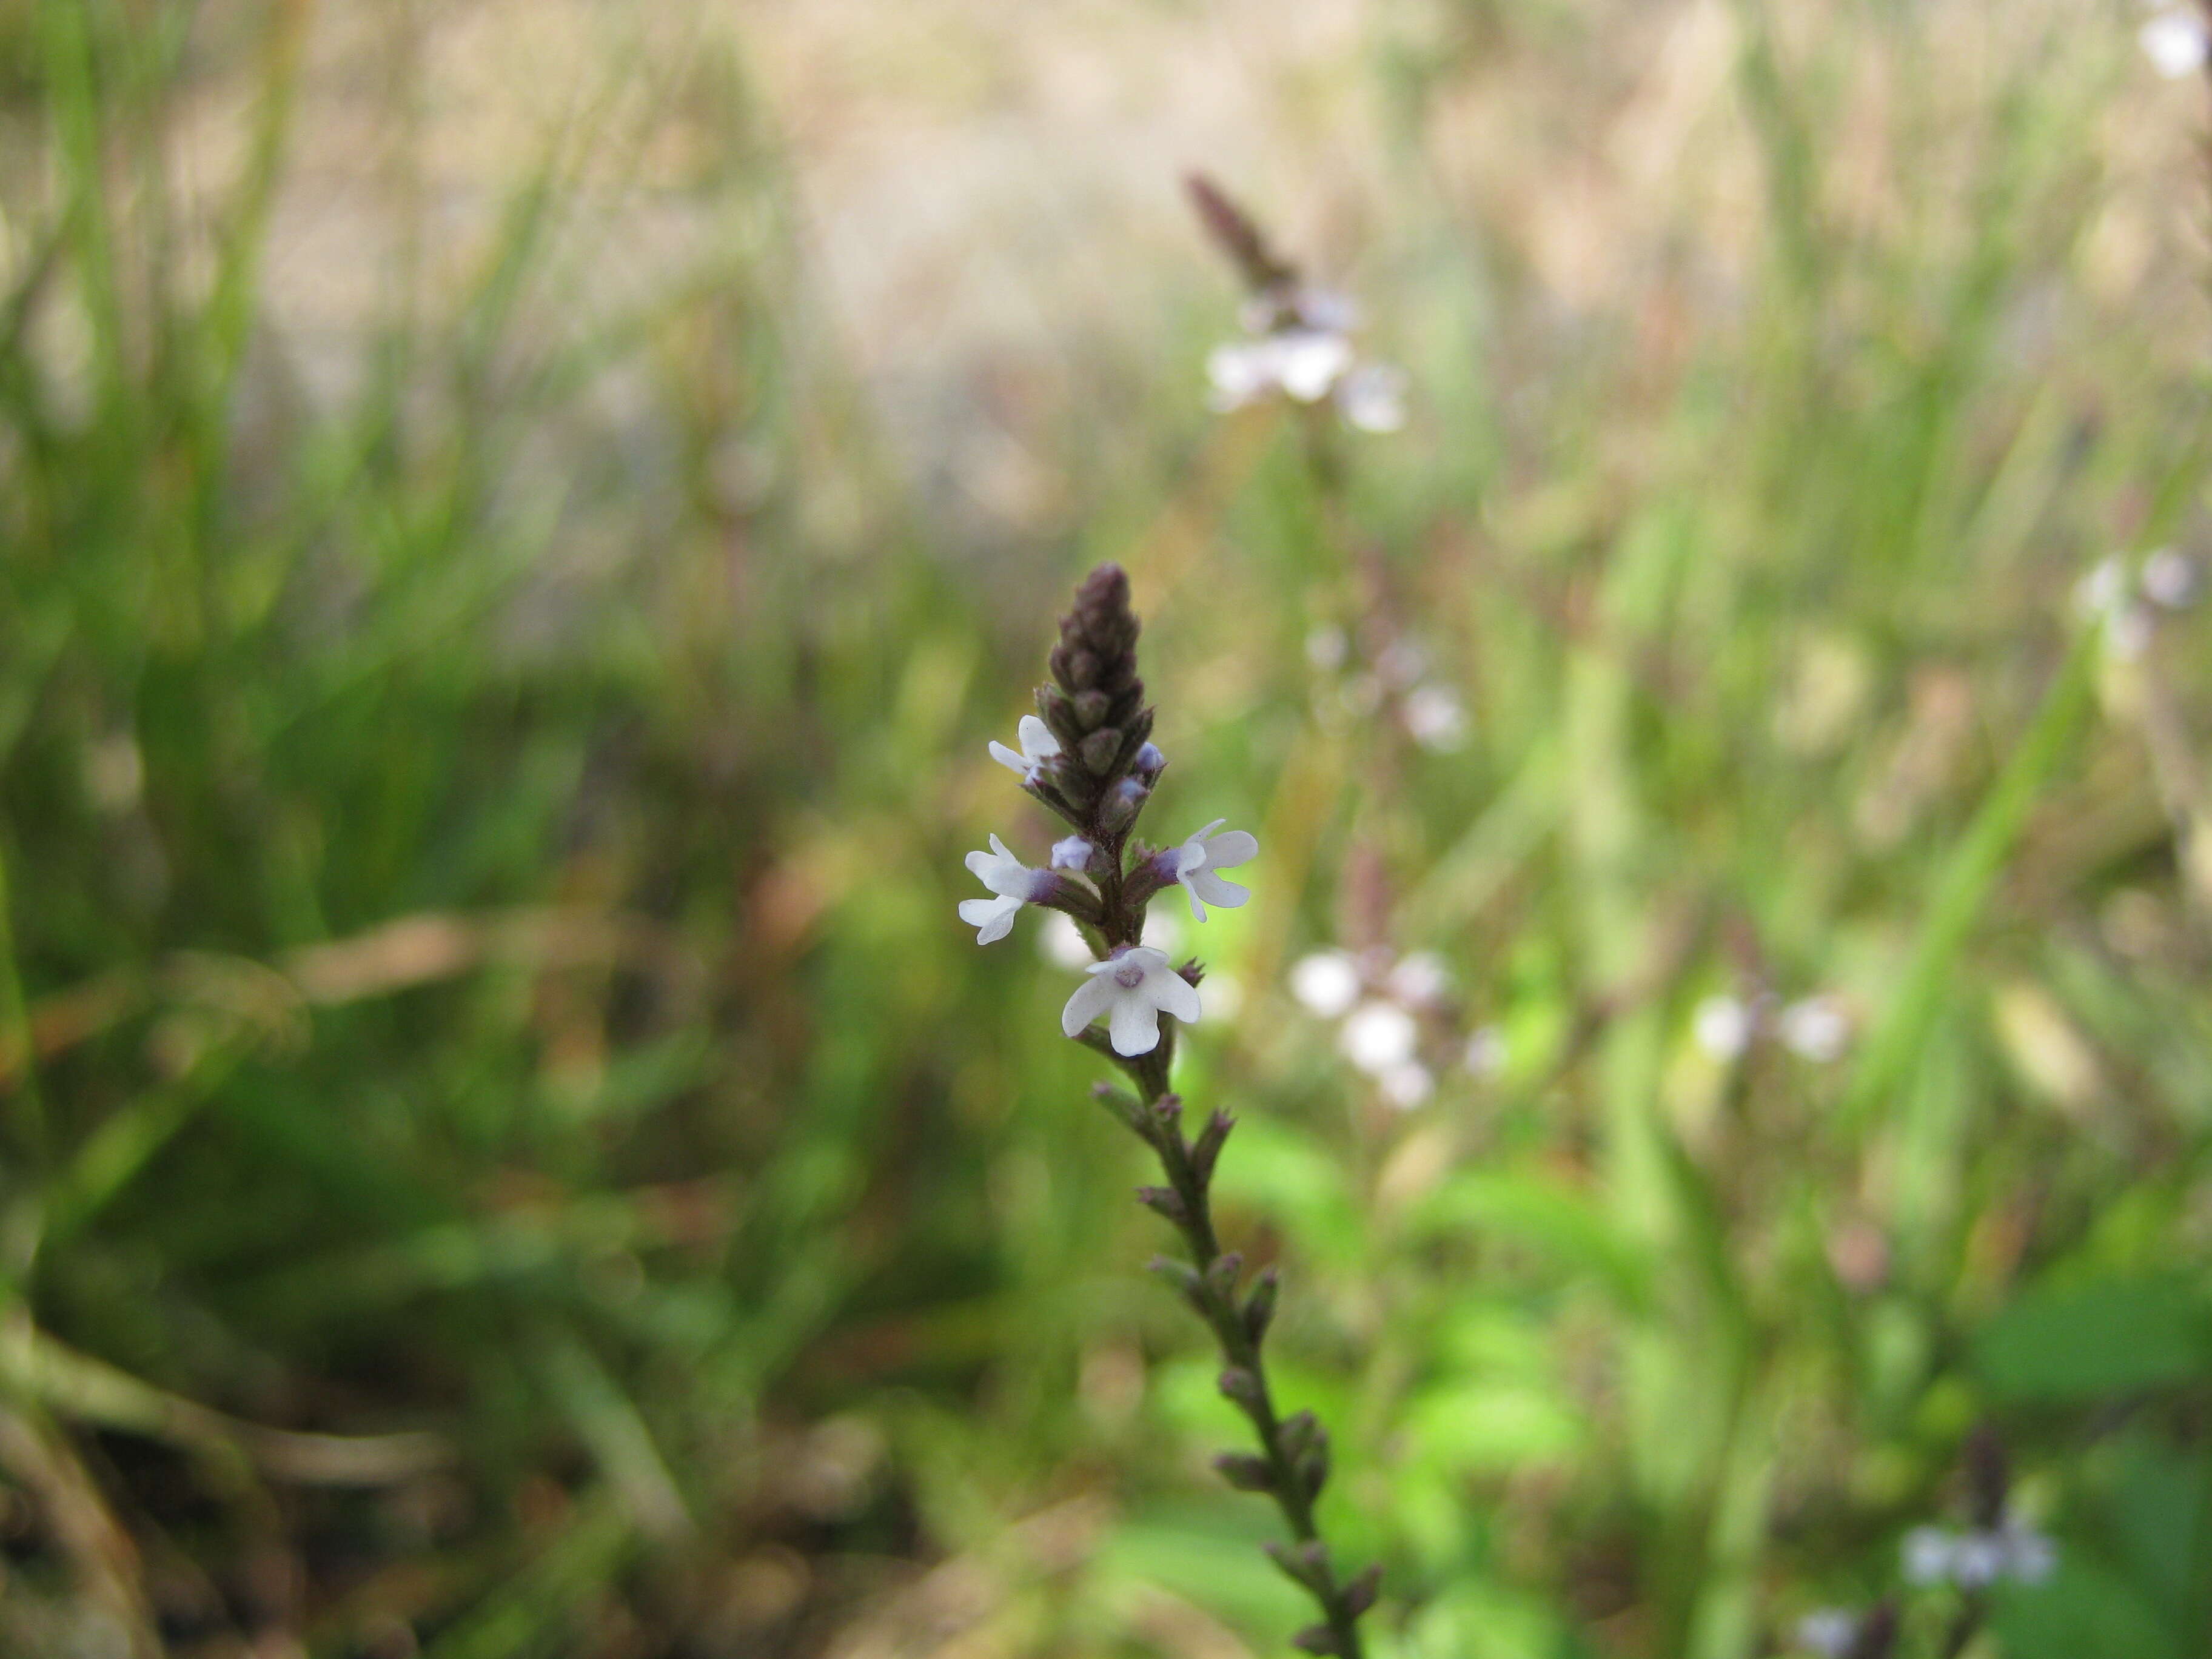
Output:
x=1303 y=364
x=1830 y=1632
x=2128 y=631
x=1327 y=648
x=1407 y=1085
x=1372 y=398
x=1061 y=942
x=1131 y=990
x=1435 y=718
x=1722 y=1026
x=2170 y=580
x=1377 y=1037
x=1038 y=746
x=1925 y=1555
x=1302 y=351
x=1013 y=882
x=1486 y=1052
x=1071 y=852
x=1419 y=979
x=1401 y=663
x=1327 y=982
x=1206 y=853
x=1818 y=1028
x=1975 y=1560
x=2176 y=41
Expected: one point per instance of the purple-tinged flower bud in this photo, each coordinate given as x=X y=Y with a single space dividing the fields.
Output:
x=1150 y=763
x=1071 y=852
x=1122 y=804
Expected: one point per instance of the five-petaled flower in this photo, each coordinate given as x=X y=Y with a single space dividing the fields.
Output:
x=1200 y=857
x=1038 y=746
x=1014 y=882
x=1131 y=989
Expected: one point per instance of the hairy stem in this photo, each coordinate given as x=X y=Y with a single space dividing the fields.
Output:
x=1293 y=1460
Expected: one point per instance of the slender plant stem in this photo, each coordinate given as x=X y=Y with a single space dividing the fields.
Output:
x=1293 y=1459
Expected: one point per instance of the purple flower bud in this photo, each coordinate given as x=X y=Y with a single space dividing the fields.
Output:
x=1150 y=763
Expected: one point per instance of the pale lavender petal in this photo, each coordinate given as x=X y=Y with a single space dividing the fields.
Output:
x=1037 y=740
x=1091 y=999
x=1215 y=890
x=1225 y=851
x=1176 y=995
x=1135 y=1025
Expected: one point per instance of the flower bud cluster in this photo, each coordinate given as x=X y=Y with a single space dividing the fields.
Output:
x=1087 y=754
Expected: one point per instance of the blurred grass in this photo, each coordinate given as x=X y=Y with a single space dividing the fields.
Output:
x=508 y=1152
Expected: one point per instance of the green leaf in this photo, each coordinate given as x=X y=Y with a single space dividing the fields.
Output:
x=2112 y=1336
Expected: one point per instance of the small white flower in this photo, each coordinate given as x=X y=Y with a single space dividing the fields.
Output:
x=1038 y=746
x=1327 y=982
x=1486 y=1052
x=1327 y=648
x=2176 y=42
x=1818 y=1029
x=1419 y=979
x=1975 y=1560
x=1372 y=398
x=1435 y=719
x=1200 y=857
x=1927 y=1555
x=1407 y=1085
x=1303 y=364
x=1377 y=1037
x=2171 y=580
x=1828 y=1632
x=1131 y=989
x=1013 y=882
x=1723 y=1027
x=1071 y=852
x=2103 y=590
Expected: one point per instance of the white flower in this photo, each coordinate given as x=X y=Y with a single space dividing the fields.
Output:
x=1327 y=648
x=1435 y=719
x=1818 y=1028
x=1927 y=1554
x=1071 y=852
x=1722 y=1026
x=1372 y=398
x=1014 y=883
x=1975 y=1560
x=1486 y=1052
x=1420 y=978
x=2176 y=42
x=1200 y=857
x=1131 y=989
x=1302 y=363
x=1829 y=1632
x=1378 y=1036
x=1407 y=1085
x=1327 y=982
x=1038 y=746
x=2171 y=580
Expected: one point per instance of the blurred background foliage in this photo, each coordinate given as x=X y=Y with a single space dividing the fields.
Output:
x=519 y=521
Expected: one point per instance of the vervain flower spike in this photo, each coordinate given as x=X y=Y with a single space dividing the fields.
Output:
x=1087 y=754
